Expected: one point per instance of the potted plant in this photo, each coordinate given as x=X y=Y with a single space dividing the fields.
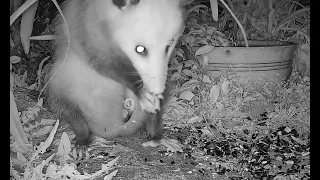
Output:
x=274 y=30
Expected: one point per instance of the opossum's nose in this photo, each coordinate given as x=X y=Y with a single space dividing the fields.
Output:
x=156 y=86
x=160 y=96
x=156 y=90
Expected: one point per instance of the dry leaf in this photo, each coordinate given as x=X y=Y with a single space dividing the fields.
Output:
x=187 y=95
x=205 y=60
x=298 y=140
x=225 y=87
x=249 y=98
x=287 y=129
x=219 y=106
x=187 y=72
x=46 y=122
x=15 y=59
x=21 y=158
x=190 y=83
x=237 y=113
x=39 y=103
x=214 y=93
x=30 y=114
x=111 y=175
x=204 y=50
x=43 y=146
x=64 y=148
x=206 y=79
x=32 y=86
x=206 y=131
x=105 y=168
x=42 y=131
x=194 y=119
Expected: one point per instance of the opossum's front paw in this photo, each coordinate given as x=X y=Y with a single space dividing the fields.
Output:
x=172 y=144
x=149 y=102
x=82 y=142
x=80 y=150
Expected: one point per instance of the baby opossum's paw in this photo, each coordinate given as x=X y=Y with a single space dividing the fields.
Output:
x=172 y=144
x=149 y=102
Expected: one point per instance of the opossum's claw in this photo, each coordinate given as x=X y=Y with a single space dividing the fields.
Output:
x=148 y=106
x=149 y=102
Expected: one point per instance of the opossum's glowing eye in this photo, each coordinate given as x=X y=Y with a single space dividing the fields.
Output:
x=169 y=45
x=141 y=50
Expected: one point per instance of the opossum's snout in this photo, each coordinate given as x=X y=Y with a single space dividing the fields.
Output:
x=160 y=96
x=156 y=79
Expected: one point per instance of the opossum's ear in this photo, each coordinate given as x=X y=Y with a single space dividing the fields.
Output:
x=124 y=4
x=185 y=2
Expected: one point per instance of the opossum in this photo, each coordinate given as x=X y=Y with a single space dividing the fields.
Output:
x=118 y=49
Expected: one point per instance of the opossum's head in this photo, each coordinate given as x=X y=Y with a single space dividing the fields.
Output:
x=146 y=31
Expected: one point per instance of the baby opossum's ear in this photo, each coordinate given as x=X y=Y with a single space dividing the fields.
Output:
x=124 y=4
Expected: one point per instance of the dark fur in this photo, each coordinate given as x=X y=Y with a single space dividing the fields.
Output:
x=70 y=112
x=154 y=122
x=111 y=64
x=109 y=61
x=122 y=4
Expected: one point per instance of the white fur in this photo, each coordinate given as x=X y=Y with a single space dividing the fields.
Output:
x=152 y=24
x=88 y=89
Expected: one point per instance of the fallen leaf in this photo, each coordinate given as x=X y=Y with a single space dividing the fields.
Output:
x=46 y=122
x=111 y=175
x=206 y=79
x=225 y=87
x=204 y=50
x=44 y=145
x=205 y=60
x=298 y=140
x=249 y=98
x=194 y=119
x=64 y=148
x=220 y=106
x=287 y=129
x=206 y=131
x=14 y=59
x=190 y=83
x=21 y=158
x=187 y=95
x=42 y=131
x=32 y=86
x=214 y=93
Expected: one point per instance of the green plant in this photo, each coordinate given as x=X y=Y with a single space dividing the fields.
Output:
x=269 y=19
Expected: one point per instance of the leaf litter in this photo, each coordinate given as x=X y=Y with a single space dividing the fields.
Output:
x=259 y=132
x=59 y=165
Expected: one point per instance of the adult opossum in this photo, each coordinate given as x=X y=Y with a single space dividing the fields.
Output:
x=118 y=49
